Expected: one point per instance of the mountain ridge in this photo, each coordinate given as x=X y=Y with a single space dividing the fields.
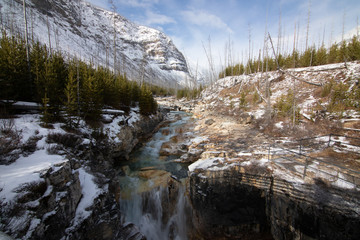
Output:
x=81 y=29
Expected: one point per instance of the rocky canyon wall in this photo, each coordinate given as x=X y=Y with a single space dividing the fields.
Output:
x=251 y=203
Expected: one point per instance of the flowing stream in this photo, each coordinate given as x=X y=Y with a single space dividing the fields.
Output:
x=153 y=192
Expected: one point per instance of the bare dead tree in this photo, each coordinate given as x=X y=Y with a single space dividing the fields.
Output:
x=78 y=90
x=209 y=57
x=113 y=9
x=294 y=46
x=267 y=85
x=297 y=36
x=142 y=69
x=343 y=27
x=357 y=27
x=287 y=72
x=308 y=26
x=49 y=34
x=196 y=74
x=230 y=56
x=32 y=24
x=249 y=60
x=259 y=58
x=265 y=40
x=278 y=50
x=26 y=35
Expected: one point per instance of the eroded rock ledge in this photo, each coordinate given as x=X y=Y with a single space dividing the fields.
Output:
x=249 y=202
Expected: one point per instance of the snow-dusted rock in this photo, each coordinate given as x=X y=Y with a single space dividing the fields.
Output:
x=84 y=30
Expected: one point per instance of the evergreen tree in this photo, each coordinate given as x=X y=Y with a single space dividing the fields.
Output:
x=47 y=116
x=147 y=103
x=91 y=99
x=14 y=76
x=343 y=52
x=56 y=75
x=333 y=53
x=354 y=49
x=321 y=56
x=135 y=93
x=70 y=103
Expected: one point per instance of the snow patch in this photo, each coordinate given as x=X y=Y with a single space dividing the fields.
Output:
x=90 y=191
x=279 y=124
x=25 y=170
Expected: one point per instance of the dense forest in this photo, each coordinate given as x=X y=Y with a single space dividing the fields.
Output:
x=66 y=87
x=312 y=56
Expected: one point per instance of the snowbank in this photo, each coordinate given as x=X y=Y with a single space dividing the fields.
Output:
x=25 y=170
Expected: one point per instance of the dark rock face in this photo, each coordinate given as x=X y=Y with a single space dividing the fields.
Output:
x=49 y=207
x=297 y=219
x=225 y=207
x=237 y=204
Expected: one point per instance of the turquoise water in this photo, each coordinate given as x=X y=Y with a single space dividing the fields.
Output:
x=144 y=201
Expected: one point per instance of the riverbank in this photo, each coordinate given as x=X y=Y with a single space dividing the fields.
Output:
x=58 y=184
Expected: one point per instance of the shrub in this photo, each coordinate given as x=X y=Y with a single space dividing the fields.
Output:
x=31 y=191
x=326 y=89
x=67 y=140
x=9 y=141
x=284 y=106
x=243 y=99
x=30 y=145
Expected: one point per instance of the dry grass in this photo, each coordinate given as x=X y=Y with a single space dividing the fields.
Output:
x=344 y=158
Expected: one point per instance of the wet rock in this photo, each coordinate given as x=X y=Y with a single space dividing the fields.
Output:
x=191 y=156
x=212 y=154
x=126 y=170
x=209 y=121
x=165 y=132
x=171 y=149
x=130 y=232
x=174 y=139
x=158 y=178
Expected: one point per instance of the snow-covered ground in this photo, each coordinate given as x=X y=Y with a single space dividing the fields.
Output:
x=225 y=94
x=29 y=168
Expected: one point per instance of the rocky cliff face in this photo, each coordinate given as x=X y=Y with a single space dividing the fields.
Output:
x=250 y=203
x=100 y=36
x=50 y=207
x=59 y=193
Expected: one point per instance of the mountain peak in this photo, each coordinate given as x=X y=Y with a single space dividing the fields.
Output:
x=81 y=29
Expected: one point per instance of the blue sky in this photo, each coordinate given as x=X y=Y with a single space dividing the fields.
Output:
x=190 y=23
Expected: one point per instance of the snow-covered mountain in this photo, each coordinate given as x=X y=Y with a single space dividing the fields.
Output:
x=81 y=29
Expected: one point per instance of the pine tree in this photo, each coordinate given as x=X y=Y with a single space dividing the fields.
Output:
x=354 y=49
x=92 y=101
x=14 y=84
x=39 y=57
x=342 y=53
x=147 y=103
x=70 y=92
x=47 y=116
x=321 y=56
x=56 y=75
x=333 y=53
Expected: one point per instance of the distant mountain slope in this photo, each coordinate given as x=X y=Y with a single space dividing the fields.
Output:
x=78 y=28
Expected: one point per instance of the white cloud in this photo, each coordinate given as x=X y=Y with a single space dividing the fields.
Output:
x=202 y=18
x=155 y=18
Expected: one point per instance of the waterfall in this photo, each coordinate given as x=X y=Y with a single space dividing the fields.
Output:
x=153 y=193
x=156 y=215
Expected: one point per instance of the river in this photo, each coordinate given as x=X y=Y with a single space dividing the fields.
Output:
x=153 y=191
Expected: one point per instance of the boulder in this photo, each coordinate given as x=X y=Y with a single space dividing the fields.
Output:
x=209 y=121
